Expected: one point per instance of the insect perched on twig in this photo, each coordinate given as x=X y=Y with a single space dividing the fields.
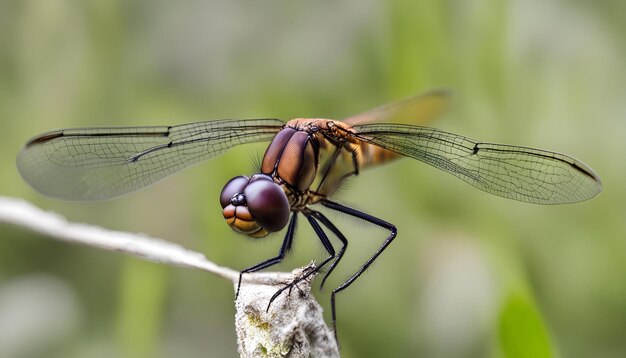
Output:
x=305 y=163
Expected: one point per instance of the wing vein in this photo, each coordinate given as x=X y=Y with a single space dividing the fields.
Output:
x=101 y=163
x=515 y=172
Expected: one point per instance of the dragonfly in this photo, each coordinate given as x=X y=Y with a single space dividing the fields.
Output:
x=305 y=163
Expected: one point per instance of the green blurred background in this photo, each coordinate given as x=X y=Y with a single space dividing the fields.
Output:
x=470 y=275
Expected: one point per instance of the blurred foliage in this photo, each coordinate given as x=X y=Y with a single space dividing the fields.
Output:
x=522 y=333
x=470 y=275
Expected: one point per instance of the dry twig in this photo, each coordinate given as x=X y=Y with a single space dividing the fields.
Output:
x=293 y=326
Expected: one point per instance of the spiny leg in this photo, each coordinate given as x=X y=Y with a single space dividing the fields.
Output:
x=369 y=218
x=284 y=248
x=327 y=245
x=340 y=236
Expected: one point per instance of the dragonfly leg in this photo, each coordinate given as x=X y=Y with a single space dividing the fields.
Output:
x=340 y=236
x=284 y=248
x=369 y=218
x=327 y=245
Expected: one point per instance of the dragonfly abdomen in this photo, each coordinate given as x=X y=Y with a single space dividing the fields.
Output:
x=369 y=155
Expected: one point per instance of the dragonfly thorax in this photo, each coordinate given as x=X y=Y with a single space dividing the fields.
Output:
x=291 y=158
x=254 y=206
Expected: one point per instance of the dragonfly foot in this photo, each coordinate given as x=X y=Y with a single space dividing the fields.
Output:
x=307 y=272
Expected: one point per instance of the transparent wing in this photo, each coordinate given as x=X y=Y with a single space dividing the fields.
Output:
x=519 y=173
x=420 y=109
x=102 y=163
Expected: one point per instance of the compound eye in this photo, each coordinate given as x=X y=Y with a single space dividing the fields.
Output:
x=232 y=187
x=267 y=203
x=256 y=177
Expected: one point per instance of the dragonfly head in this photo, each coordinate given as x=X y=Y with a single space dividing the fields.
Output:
x=254 y=206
